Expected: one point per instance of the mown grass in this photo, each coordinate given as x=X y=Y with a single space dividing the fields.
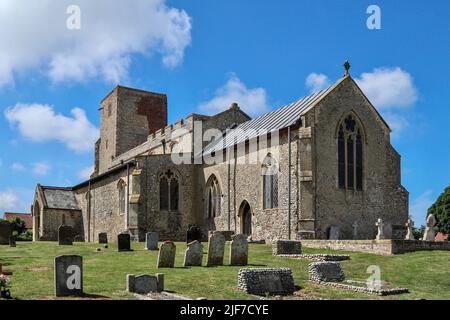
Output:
x=426 y=274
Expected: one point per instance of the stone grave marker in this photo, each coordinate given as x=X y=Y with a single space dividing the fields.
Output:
x=334 y=233
x=380 y=226
x=151 y=241
x=409 y=234
x=103 y=238
x=166 y=256
x=123 y=242
x=272 y=281
x=326 y=271
x=194 y=254
x=430 y=234
x=193 y=233
x=355 y=230
x=5 y=232
x=65 y=235
x=142 y=284
x=286 y=247
x=216 y=249
x=68 y=276
x=239 y=250
x=12 y=241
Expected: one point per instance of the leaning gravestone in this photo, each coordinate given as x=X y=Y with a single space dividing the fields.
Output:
x=193 y=255
x=5 y=232
x=239 y=250
x=266 y=281
x=123 y=242
x=430 y=234
x=193 y=233
x=103 y=238
x=68 y=276
x=326 y=271
x=166 y=256
x=65 y=235
x=216 y=248
x=151 y=241
x=286 y=247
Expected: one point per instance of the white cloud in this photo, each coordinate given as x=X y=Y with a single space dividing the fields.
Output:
x=398 y=123
x=41 y=168
x=17 y=167
x=9 y=200
x=36 y=37
x=317 y=82
x=388 y=87
x=85 y=174
x=419 y=207
x=252 y=101
x=40 y=123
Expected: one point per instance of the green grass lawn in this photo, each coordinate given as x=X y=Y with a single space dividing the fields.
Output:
x=426 y=274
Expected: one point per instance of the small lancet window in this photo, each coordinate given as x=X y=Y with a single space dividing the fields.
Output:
x=168 y=191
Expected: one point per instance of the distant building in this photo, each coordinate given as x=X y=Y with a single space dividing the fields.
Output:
x=441 y=237
x=28 y=218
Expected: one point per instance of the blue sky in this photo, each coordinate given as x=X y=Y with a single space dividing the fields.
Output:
x=204 y=54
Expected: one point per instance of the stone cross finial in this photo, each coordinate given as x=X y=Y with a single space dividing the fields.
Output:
x=380 y=225
x=346 y=67
x=429 y=234
x=409 y=225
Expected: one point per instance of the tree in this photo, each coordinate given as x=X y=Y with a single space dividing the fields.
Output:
x=441 y=211
x=18 y=226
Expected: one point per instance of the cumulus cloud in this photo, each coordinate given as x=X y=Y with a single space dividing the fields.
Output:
x=40 y=123
x=253 y=101
x=85 y=173
x=317 y=82
x=36 y=37
x=17 y=167
x=419 y=207
x=9 y=200
x=41 y=168
x=388 y=87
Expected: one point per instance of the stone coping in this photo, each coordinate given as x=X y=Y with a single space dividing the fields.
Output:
x=317 y=257
x=374 y=291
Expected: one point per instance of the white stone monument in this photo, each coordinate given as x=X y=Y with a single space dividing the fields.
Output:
x=429 y=233
x=409 y=234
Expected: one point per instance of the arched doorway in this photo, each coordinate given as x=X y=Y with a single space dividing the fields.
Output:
x=245 y=213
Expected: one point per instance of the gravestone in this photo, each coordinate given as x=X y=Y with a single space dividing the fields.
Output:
x=5 y=232
x=387 y=230
x=143 y=284
x=68 y=276
x=65 y=235
x=103 y=238
x=409 y=234
x=239 y=250
x=227 y=234
x=151 y=241
x=380 y=226
x=193 y=256
x=123 y=242
x=326 y=271
x=355 y=230
x=216 y=248
x=430 y=234
x=12 y=241
x=166 y=256
x=286 y=247
x=334 y=233
x=160 y=282
x=193 y=233
x=272 y=281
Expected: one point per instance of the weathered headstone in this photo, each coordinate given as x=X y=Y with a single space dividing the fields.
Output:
x=380 y=226
x=5 y=232
x=194 y=254
x=430 y=234
x=12 y=241
x=151 y=241
x=123 y=242
x=272 y=281
x=193 y=233
x=239 y=250
x=103 y=238
x=409 y=234
x=166 y=256
x=216 y=249
x=334 y=233
x=68 y=276
x=142 y=284
x=160 y=282
x=355 y=230
x=326 y=271
x=226 y=233
x=65 y=235
x=286 y=247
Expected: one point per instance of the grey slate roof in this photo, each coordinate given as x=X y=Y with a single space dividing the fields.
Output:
x=60 y=198
x=275 y=120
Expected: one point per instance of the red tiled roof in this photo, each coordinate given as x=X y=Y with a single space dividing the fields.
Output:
x=441 y=237
x=24 y=216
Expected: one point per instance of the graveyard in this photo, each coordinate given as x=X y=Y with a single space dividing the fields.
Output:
x=424 y=273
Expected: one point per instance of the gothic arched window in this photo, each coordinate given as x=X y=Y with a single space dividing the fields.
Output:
x=270 y=182
x=350 y=153
x=168 y=191
x=213 y=195
x=122 y=196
